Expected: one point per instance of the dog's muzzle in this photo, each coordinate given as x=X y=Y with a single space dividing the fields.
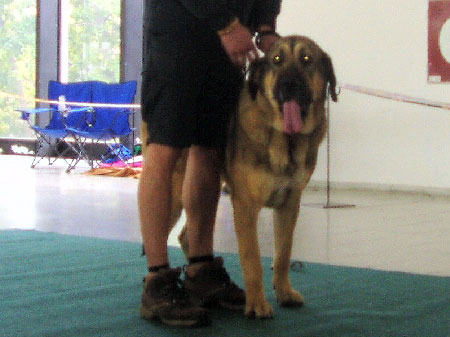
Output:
x=294 y=97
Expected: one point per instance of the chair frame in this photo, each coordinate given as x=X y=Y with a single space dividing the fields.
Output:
x=105 y=134
x=51 y=142
x=81 y=128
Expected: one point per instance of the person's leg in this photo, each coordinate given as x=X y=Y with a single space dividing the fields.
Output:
x=206 y=279
x=154 y=200
x=201 y=190
x=169 y=108
x=163 y=298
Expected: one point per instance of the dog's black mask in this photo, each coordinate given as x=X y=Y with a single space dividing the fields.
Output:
x=291 y=82
x=293 y=87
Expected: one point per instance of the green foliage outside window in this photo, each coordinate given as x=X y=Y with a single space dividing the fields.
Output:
x=94 y=52
x=94 y=40
x=17 y=62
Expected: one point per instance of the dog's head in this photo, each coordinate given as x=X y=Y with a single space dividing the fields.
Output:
x=293 y=77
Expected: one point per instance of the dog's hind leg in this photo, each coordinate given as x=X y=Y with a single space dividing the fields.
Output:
x=183 y=240
x=177 y=207
x=285 y=219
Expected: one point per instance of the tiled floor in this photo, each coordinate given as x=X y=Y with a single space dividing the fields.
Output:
x=389 y=231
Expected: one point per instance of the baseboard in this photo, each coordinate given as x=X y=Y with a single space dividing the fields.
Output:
x=348 y=186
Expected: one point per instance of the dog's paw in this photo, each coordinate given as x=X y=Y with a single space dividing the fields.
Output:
x=290 y=298
x=259 y=309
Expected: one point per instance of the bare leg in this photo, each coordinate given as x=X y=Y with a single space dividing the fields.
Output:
x=201 y=191
x=155 y=200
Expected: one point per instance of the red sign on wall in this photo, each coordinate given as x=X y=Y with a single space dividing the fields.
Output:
x=439 y=41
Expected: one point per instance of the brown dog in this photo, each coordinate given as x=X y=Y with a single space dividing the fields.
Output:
x=270 y=157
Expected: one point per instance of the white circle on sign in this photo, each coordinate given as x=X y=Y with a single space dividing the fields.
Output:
x=444 y=41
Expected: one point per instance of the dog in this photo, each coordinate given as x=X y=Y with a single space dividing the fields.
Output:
x=270 y=156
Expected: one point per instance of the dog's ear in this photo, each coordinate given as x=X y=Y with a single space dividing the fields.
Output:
x=330 y=76
x=255 y=73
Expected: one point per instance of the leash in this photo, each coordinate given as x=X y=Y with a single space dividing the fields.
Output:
x=394 y=96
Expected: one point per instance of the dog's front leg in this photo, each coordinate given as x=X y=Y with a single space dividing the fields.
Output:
x=246 y=217
x=285 y=219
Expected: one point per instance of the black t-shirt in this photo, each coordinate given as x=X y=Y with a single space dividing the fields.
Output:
x=201 y=19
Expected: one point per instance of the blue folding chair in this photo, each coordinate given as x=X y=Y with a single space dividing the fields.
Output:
x=51 y=139
x=109 y=124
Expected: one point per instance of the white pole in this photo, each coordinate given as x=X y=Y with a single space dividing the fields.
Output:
x=64 y=20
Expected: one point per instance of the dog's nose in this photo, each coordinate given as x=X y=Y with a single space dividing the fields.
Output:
x=289 y=85
x=293 y=88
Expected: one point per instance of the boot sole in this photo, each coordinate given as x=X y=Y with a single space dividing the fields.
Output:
x=214 y=302
x=149 y=314
x=230 y=306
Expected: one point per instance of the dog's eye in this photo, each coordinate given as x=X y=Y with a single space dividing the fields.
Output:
x=306 y=59
x=277 y=59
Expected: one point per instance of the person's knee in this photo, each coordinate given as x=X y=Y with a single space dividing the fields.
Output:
x=201 y=184
x=161 y=158
x=205 y=159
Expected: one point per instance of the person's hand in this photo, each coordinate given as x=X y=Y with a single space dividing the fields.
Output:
x=238 y=44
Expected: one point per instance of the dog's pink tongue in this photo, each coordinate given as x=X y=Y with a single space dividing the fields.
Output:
x=292 y=117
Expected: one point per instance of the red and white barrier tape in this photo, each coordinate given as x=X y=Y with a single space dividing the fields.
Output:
x=350 y=87
x=93 y=105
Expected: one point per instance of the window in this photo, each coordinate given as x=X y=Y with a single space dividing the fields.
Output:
x=17 y=63
x=89 y=50
x=90 y=40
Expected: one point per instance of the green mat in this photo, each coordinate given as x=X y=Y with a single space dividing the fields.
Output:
x=58 y=285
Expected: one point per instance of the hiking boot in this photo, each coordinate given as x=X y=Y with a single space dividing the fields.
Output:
x=211 y=285
x=164 y=298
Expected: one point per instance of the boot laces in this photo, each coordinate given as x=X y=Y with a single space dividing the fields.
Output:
x=175 y=292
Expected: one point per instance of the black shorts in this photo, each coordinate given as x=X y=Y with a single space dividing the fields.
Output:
x=189 y=90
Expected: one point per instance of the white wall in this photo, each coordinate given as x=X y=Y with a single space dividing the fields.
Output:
x=382 y=45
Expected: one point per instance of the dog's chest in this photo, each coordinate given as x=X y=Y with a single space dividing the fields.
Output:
x=286 y=162
x=274 y=167
x=285 y=156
